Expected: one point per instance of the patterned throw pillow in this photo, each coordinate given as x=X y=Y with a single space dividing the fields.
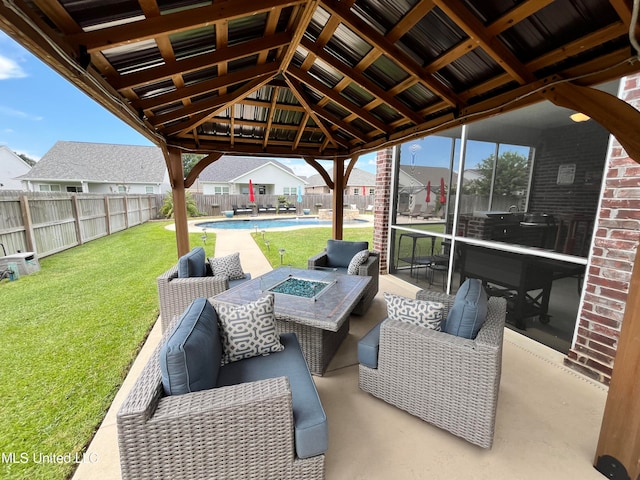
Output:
x=248 y=330
x=228 y=266
x=417 y=312
x=358 y=259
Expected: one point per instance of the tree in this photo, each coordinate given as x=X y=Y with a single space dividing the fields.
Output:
x=511 y=175
x=189 y=160
x=167 y=207
x=30 y=161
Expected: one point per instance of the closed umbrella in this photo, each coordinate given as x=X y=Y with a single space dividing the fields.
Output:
x=443 y=198
x=252 y=197
x=428 y=199
x=299 y=194
x=364 y=190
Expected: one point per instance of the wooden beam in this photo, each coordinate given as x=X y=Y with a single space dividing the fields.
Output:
x=467 y=21
x=338 y=198
x=173 y=159
x=181 y=67
x=321 y=170
x=618 y=448
x=197 y=169
x=189 y=19
x=616 y=115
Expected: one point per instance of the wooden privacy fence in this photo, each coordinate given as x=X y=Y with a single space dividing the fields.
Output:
x=48 y=223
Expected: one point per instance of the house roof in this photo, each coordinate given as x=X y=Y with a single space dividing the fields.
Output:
x=325 y=78
x=358 y=177
x=100 y=162
x=228 y=168
x=423 y=175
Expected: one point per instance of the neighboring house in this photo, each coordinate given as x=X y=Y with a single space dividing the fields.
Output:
x=230 y=175
x=99 y=168
x=360 y=182
x=413 y=182
x=11 y=167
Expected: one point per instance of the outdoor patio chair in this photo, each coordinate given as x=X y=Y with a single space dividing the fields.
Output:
x=174 y=425
x=190 y=278
x=339 y=254
x=447 y=380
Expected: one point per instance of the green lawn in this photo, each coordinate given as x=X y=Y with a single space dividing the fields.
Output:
x=301 y=244
x=69 y=334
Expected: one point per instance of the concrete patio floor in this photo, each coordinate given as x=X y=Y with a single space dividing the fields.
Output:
x=548 y=418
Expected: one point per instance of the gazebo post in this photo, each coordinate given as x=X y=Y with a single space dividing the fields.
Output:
x=173 y=159
x=338 y=198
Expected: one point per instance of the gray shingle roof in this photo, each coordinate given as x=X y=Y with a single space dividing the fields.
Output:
x=357 y=177
x=100 y=162
x=228 y=168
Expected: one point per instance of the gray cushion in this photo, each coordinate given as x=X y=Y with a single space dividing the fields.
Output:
x=192 y=264
x=340 y=252
x=190 y=359
x=310 y=421
x=368 y=347
x=469 y=310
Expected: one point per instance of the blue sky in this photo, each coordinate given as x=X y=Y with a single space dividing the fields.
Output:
x=38 y=108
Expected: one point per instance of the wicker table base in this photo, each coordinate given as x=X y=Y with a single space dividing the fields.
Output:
x=320 y=325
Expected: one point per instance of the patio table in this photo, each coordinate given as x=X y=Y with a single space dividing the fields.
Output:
x=321 y=323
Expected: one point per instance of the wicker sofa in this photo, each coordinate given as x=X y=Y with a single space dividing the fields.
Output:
x=338 y=254
x=446 y=380
x=259 y=417
x=190 y=278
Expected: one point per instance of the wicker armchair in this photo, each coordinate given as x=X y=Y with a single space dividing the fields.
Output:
x=370 y=268
x=176 y=294
x=448 y=381
x=235 y=432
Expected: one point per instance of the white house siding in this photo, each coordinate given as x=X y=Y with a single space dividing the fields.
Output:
x=11 y=166
x=274 y=179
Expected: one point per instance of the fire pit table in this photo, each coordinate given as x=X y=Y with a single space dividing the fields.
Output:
x=314 y=304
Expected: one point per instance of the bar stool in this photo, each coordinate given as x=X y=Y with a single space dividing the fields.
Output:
x=432 y=268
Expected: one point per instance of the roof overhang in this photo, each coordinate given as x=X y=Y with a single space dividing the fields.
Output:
x=323 y=79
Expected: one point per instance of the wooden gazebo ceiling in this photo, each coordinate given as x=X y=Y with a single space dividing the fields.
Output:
x=320 y=78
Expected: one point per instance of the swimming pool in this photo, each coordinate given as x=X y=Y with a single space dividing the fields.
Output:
x=261 y=224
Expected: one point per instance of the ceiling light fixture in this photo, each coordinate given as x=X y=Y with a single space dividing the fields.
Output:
x=579 y=117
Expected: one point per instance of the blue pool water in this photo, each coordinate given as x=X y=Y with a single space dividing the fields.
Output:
x=252 y=223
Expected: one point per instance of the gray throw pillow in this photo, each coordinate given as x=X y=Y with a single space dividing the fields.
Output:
x=192 y=264
x=248 y=330
x=358 y=259
x=228 y=266
x=422 y=313
x=190 y=358
x=469 y=310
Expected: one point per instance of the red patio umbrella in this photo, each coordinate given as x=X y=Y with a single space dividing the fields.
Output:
x=428 y=199
x=252 y=197
x=364 y=190
x=443 y=198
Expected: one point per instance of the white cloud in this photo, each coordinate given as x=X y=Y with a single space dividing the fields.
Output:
x=12 y=112
x=10 y=69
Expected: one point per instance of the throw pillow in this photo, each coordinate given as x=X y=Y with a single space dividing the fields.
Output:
x=248 y=330
x=469 y=310
x=358 y=259
x=190 y=358
x=228 y=266
x=192 y=264
x=423 y=313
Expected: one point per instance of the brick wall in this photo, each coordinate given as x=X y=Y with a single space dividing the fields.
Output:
x=612 y=258
x=382 y=206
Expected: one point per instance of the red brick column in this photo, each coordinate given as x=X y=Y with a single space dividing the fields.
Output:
x=382 y=206
x=612 y=258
